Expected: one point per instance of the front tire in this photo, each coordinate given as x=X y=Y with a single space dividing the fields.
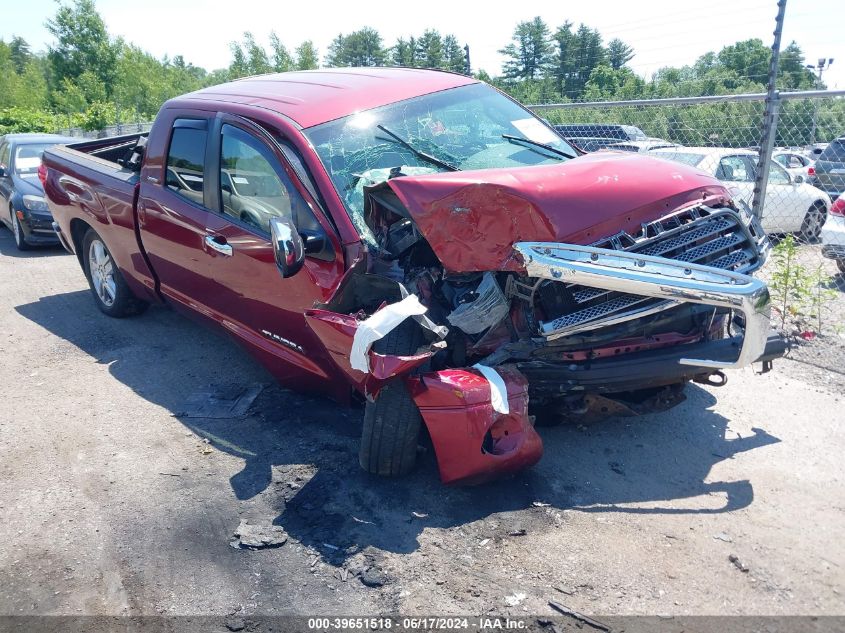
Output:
x=811 y=228
x=392 y=423
x=112 y=295
x=17 y=231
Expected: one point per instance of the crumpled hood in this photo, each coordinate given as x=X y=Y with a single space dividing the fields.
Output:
x=471 y=219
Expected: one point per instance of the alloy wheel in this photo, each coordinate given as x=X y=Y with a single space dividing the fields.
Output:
x=101 y=267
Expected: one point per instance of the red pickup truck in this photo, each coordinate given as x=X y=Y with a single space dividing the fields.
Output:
x=419 y=239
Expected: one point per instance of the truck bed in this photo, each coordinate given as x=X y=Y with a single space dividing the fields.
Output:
x=111 y=156
x=94 y=184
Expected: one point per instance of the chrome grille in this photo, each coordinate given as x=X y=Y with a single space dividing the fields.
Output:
x=702 y=235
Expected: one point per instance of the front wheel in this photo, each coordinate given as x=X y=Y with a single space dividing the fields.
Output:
x=17 y=231
x=110 y=291
x=392 y=423
x=811 y=228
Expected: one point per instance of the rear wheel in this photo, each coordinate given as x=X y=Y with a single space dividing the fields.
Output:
x=17 y=231
x=811 y=228
x=392 y=423
x=110 y=291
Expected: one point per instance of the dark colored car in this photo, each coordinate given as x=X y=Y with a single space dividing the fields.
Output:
x=421 y=241
x=23 y=207
x=830 y=169
x=601 y=130
x=591 y=137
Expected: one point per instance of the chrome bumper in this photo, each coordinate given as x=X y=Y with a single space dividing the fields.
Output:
x=661 y=278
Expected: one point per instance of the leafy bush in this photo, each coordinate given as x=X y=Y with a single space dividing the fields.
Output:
x=24 y=120
x=98 y=116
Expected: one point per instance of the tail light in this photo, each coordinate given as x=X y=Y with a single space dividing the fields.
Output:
x=42 y=174
x=838 y=207
x=811 y=171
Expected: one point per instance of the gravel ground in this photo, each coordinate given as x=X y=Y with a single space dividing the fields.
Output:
x=114 y=501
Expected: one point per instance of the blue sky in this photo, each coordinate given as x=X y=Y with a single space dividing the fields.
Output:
x=662 y=32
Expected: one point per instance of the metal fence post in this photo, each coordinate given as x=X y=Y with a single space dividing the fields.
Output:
x=767 y=146
x=770 y=119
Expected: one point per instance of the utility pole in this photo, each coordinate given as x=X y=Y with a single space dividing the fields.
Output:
x=828 y=62
x=466 y=60
x=770 y=119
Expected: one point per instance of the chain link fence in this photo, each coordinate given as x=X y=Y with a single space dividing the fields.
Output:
x=112 y=130
x=721 y=135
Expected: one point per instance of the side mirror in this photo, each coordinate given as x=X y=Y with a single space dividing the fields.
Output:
x=2 y=171
x=288 y=248
x=797 y=179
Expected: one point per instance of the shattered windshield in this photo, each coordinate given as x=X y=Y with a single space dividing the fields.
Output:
x=471 y=127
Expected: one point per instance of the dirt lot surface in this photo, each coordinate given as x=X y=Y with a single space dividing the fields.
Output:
x=115 y=501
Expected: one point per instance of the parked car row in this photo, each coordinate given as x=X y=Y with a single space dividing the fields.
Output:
x=804 y=185
x=791 y=205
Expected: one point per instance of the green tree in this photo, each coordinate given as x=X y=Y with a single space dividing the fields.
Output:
x=562 y=63
x=257 y=58
x=82 y=45
x=528 y=53
x=20 y=54
x=607 y=83
x=239 y=66
x=618 y=53
x=792 y=71
x=282 y=60
x=589 y=54
x=22 y=78
x=248 y=58
x=307 y=57
x=454 y=57
x=402 y=53
x=749 y=59
x=359 y=48
x=428 y=52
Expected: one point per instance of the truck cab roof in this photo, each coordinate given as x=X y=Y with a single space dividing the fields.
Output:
x=313 y=97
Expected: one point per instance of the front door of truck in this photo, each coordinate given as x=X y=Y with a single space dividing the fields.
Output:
x=173 y=210
x=256 y=182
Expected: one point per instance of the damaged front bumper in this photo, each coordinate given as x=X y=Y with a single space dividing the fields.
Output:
x=669 y=280
x=473 y=442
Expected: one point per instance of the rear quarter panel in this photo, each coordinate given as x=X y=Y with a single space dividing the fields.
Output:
x=82 y=192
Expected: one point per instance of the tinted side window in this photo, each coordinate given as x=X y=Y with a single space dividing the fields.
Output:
x=185 y=163
x=834 y=152
x=254 y=187
x=5 y=155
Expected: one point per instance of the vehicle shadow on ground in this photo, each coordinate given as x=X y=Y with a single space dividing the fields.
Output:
x=300 y=452
x=8 y=248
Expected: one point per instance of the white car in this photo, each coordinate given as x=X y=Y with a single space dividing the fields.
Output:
x=794 y=162
x=833 y=234
x=792 y=205
x=640 y=146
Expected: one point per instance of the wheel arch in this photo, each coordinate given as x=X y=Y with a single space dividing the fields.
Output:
x=78 y=229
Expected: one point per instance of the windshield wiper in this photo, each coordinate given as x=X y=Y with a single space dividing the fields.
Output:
x=528 y=141
x=418 y=152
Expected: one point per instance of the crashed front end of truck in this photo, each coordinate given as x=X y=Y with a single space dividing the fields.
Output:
x=516 y=329
x=539 y=284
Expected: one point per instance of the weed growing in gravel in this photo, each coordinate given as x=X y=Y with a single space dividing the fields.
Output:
x=796 y=291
